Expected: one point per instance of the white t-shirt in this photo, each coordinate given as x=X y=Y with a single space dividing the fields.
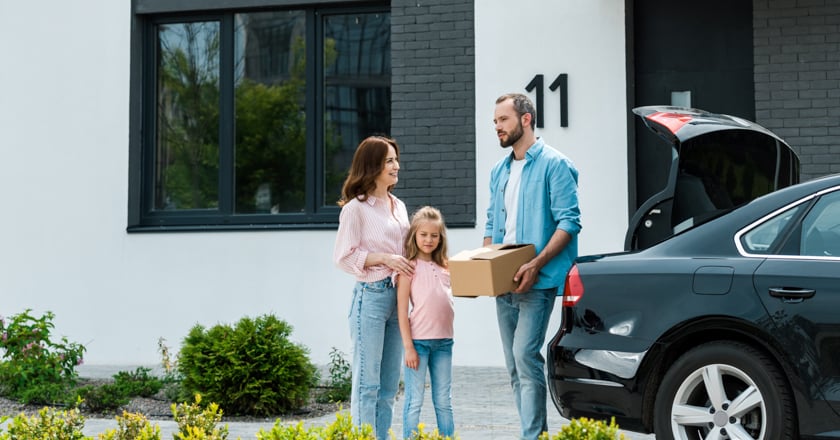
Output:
x=512 y=199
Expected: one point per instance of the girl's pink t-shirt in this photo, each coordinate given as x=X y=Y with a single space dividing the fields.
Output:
x=432 y=308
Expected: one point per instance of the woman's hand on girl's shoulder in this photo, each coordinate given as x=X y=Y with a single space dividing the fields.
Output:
x=399 y=264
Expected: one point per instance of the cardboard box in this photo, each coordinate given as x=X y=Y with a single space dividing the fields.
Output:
x=488 y=271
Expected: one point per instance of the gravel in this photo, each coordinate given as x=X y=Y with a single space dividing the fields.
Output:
x=157 y=408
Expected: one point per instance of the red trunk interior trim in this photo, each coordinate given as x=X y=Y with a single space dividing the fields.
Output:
x=671 y=121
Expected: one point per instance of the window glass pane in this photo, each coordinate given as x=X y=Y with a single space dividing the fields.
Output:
x=722 y=170
x=821 y=228
x=357 y=77
x=270 y=81
x=764 y=237
x=186 y=163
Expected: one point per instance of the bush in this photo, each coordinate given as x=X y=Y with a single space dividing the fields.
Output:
x=33 y=367
x=340 y=384
x=197 y=423
x=421 y=434
x=586 y=429
x=249 y=369
x=132 y=426
x=194 y=423
x=103 y=398
x=137 y=383
x=47 y=424
x=111 y=396
x=342 y=428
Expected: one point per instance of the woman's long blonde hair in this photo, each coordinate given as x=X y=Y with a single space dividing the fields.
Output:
x=424 y=215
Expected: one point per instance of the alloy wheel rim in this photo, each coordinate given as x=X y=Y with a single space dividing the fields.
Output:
x=718 y=401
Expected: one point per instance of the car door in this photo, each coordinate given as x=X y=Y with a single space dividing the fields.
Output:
x=801 y=291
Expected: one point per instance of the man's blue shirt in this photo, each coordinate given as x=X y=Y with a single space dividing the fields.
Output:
x=548 y=201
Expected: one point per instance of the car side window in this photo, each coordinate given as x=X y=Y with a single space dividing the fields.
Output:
x=763 y=238
x=821 y=228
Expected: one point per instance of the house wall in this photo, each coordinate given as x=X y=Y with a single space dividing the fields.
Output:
x=64 y=112
x=797 y=78
x=433 y=105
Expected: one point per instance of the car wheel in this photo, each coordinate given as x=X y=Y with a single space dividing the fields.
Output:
x=724 y=390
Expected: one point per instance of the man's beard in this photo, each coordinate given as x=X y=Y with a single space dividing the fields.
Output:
x=514 y=136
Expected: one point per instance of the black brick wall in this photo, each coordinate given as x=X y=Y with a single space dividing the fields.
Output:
x=433 y=105
x=797 y=78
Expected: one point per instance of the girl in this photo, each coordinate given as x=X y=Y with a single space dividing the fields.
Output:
x=369 y=245
x=427 y=329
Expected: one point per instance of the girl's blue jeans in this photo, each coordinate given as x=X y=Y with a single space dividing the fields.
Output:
x=436 y=356
x=377 y=355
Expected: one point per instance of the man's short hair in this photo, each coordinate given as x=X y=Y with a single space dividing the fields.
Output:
x=521 y=104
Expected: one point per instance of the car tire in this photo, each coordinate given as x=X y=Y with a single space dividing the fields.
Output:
x=750 y=397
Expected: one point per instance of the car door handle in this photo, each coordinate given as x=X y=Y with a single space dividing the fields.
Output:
x=791 y=293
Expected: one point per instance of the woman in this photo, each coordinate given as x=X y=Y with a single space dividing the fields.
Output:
x=369 y=245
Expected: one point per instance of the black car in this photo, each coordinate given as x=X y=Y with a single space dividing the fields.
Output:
x=726 y=325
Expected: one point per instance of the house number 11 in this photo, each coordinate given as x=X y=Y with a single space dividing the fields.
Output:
x=562 y=83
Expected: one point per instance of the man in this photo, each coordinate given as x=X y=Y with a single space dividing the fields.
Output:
x=533 y=199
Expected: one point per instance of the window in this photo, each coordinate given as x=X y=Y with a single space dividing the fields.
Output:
x=250 y=118
x=821 y=228
x=765 y=237
x=809 y=229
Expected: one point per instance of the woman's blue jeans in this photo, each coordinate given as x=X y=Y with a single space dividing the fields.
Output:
x=436 y=355
x=377 y=355
x=523 y=319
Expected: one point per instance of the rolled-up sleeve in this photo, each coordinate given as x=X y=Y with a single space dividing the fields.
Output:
x=347 y=255
x=564 y=197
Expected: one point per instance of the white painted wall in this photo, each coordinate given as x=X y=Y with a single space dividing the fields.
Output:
x=64 y=171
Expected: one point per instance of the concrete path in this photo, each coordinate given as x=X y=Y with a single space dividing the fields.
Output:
x=482 y=401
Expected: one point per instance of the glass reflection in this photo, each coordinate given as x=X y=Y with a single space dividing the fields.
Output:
x=187 y=131
x=357 y=78
x=270 y=81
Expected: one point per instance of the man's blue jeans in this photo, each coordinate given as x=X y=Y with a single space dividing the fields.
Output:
x=523 y=319
x=436 y=355
x=377 y=355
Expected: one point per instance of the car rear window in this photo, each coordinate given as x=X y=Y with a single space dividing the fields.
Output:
x=723 y=170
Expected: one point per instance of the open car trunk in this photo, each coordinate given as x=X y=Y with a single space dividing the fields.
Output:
x=718 y=162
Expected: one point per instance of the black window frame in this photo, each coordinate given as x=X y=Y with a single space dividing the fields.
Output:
x=146 y=15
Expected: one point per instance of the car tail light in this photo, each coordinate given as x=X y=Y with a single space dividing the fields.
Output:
x=573 y=289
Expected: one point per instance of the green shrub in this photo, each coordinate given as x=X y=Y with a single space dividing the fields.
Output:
x=132 y=426
x=341 y=429
x=339 y=385
x=421 y=434
x=33 y=367
x=586 y=429
x=102 y=398
x=47 y=424
x=252 y=368
x=197 y=423
x=137 y=383
x=111 y=396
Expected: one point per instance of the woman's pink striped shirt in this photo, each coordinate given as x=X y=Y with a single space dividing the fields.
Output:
x=369 y=226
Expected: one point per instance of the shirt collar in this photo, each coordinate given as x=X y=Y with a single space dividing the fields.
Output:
x=532 y=152
x=371 y=200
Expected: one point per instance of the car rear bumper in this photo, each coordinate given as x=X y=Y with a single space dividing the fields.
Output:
x=581 y=390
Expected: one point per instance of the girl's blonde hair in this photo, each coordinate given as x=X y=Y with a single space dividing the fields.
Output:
x=424 y=215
